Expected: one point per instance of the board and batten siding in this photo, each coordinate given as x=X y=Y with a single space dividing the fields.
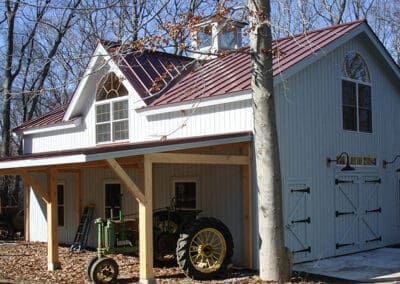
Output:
x=309 y=117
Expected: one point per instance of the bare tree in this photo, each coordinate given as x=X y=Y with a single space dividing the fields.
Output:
x=274 y=263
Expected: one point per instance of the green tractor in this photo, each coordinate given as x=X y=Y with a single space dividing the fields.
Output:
x=202 y=247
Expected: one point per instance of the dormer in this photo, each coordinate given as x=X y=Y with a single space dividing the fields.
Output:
x=213 y=36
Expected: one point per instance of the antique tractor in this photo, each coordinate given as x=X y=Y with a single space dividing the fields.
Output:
x=202 y=247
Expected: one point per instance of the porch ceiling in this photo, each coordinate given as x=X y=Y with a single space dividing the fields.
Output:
x=96 y=156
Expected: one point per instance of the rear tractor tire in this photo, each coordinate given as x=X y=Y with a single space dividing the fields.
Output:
x=204 y=249
x=104 y=270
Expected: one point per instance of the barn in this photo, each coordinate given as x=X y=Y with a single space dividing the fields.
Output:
x=152 y=126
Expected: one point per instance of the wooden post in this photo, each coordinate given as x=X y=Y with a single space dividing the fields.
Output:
x=78 y=197
x=247 y=210
x=27 y=195
x=146 y=226
x=52 y=221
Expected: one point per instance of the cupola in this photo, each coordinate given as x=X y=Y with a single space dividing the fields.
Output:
x=212 y=36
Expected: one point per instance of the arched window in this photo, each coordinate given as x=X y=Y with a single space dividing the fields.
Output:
x=111 y=110
x=356 y=94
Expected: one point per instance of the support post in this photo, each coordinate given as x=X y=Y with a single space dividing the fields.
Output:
x=27 y=197
x=247 y=209
x=52 y=221
x=146 y=225
x=78 y=196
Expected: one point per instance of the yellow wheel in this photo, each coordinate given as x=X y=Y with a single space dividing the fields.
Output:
x=207 y=250
x=204 y=249
x=104 y=270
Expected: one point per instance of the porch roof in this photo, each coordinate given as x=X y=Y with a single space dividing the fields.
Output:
x=11 y=165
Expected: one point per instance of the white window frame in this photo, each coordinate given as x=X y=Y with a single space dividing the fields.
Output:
x=63 y=205
x=357 y=82
x=187 y=179
x=111 y=102
x=105 y=182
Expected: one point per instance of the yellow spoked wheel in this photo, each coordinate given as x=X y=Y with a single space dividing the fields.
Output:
x=104 y=270
x=204 y=249
x=207 y=250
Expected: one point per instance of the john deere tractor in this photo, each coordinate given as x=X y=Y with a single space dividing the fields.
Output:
x=202 y=247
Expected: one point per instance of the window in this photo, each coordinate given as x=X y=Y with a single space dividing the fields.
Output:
x=357 y=160
x=60 y=204
x=111 y=110
x=228 y=39
x=112 y=200
x=185 y=194
x=204 y=37
x=356 y=94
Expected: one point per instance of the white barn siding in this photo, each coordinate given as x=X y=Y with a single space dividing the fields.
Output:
x=309 y=114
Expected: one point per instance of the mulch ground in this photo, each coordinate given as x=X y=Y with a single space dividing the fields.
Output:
x=26 y=262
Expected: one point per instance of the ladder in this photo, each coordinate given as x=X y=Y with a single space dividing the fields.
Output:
x=82 y=232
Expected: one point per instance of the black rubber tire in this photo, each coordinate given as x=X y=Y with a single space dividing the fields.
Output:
x=165 y=237
x=6 y=231
x=89 y=267
x=104 y=270
x=184 y=256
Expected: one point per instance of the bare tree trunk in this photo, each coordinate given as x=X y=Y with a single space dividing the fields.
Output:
x=274 y=262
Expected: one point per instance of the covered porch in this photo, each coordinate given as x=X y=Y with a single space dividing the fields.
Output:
x=143 y=157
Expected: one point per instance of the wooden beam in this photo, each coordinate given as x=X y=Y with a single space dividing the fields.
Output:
x=78 y=197
x=177 y=158
x=146 y=226
x=52 y=222
x=247 y=210
x=121 y=173
x=29 y=180
x=27 y=196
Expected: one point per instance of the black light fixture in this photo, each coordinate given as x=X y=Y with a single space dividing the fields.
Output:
x=385 y=163
x=347 y=167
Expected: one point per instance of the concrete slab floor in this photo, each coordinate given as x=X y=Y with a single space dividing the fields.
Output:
x=379 y=265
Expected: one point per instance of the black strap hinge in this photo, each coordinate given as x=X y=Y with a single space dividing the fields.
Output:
x=344 y=245
x=373 y=181
x=338 y=181
x=378 y=210
x=308 y=220
x=303 y=250
x=337 y=213
x=307 y=190
x=379 y=239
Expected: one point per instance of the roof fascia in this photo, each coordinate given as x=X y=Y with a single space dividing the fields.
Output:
x=362 y=28
x=215 y=100
x=82 y=158
x=56 y=127
x=100 y=52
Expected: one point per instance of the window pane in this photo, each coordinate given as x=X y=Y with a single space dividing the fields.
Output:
x=228 y=39
x=364 y=96
x=61 y=216
x=348 y=93
x=103 y=113
x=204 y=37
x=185 y=194
x=365 y=118
x=120 y=110
x=120 y=130
x=349 y=118
x=103 y=132
x=60 y=194
x=112 y=199
x=355 y=68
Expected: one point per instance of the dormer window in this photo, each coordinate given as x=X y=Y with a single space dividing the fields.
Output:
x=111 y=110
x=356 y=94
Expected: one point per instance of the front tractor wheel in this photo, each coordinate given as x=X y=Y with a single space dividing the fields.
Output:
x=204 y=249
x=104 y=270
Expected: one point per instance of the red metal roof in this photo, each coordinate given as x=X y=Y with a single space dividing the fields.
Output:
x=232 y=73
x=50 y=118
x=162 y=78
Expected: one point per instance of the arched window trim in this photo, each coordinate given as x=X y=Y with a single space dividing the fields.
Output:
x=368 y=74
x=111 y=114
x=356 y=100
